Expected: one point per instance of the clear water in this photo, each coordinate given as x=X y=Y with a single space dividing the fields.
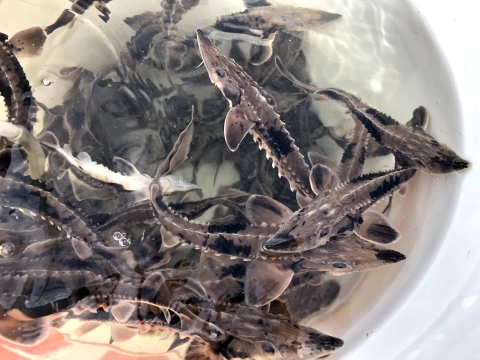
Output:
x=378 y=50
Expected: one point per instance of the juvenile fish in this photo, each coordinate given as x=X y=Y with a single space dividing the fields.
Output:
x=413 y=144
x=313 y=225
x=251 y=110
x=15 y=88
x=90 y=179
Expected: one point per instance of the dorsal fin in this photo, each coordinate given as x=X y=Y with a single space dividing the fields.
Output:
x=374 y=227
x=265 y=282
x=419 y=118
x=236 y=127
x=322 y=178
x=260 y=209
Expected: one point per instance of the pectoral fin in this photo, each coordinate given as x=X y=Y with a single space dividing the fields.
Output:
x=85 y=328
x=83 y=191
x=195 y=286
x=302 y=200
x=374 y=227
x=39 y=285
x=316 y=158
x=168 y=239
x=236 y=127
x=178 y=154
x=81 y=249
x=83 y=158
x=178 y=342
x=122 y=311
x=28 y=42
x=322 y=178
x=40 y=247
x=124 y=167
x=27 y=333
x=121 y=333
x=201 y=350
x=403 y=190
x=265 y=281
x=172 y=184
x=261 y=209
x=49 y=141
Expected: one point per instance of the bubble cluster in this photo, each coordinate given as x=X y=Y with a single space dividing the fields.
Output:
x=121 y=239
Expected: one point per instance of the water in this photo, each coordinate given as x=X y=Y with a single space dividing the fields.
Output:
x=378 y=50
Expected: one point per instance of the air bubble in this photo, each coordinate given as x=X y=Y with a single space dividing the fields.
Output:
x=121 y=239
x=7 y=249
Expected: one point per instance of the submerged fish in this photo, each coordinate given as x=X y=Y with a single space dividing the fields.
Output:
x=251 y=110
x=92 y=180
x=15 y=88
x=270 y=19
x=313 y=225
x=413 y=144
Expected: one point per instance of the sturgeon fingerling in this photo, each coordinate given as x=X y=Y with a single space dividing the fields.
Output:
x=251 y=111
x=324 y=217
x=406 y=141
x=115 y=244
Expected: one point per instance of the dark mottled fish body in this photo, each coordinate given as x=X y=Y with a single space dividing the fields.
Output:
x=15 y=88
x=275 y=18
x=324 y=217
x=252 y=111
x=353 y=158
x=246 y=323
x=15 y=193
x=238 y=240
x=246 y=241
x=409 y=143
x=415 y=144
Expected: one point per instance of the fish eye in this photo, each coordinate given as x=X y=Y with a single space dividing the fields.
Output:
x=339 y=265
x=324 y=232
x=220 y=72
x=7 y=249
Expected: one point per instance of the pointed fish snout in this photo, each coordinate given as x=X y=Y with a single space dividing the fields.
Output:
x=280 y=243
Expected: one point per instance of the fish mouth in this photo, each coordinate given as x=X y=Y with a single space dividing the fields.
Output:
x=281 y=243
